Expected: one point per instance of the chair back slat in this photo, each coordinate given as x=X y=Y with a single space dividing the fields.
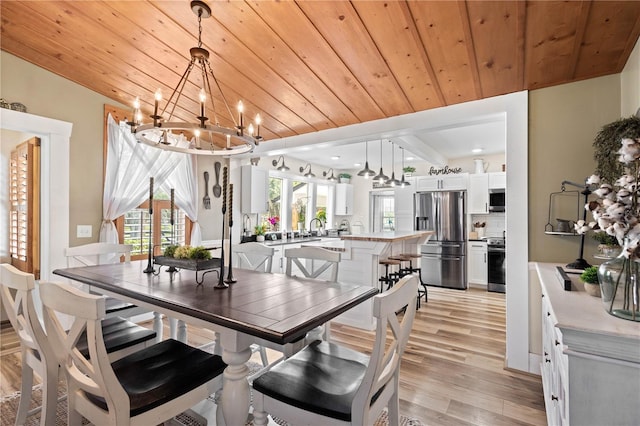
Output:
x=329 y=259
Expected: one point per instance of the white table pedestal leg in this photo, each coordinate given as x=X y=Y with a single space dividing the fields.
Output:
x=234 y=407
x=157 y=326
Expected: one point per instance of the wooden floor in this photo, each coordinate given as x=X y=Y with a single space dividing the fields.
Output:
x=452 y=372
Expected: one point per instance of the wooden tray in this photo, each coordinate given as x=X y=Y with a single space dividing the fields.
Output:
x=191 y=264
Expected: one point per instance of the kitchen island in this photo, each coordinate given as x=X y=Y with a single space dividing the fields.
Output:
x=359 y=265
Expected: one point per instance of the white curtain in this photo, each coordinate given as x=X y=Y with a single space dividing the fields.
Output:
x=129 y=166
x=184 y=181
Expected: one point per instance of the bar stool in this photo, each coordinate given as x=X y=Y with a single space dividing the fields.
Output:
x=411 y=270
x=403 y=269
x=388 y=276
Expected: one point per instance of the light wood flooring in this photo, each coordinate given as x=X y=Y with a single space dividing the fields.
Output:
x=452 y=372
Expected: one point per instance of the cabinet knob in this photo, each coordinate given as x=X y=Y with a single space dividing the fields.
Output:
x=547 y=360
x=554 y=398
x=548 y=314
x=557 y=343
x=546 y=354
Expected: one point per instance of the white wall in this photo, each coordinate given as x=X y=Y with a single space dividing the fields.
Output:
x=630 y=84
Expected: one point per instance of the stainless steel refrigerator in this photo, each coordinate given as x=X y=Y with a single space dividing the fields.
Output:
x=443 y=260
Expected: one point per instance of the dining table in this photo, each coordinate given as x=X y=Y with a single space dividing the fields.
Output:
x=258 y=307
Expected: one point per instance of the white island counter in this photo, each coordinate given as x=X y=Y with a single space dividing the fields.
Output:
x=359 y=264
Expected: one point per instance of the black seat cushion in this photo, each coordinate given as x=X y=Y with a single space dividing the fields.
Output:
x=115 y=305
x=118 y=333
x=162 y=372
x=322 y=378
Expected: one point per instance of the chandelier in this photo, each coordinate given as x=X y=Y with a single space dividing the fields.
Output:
x=200 y=137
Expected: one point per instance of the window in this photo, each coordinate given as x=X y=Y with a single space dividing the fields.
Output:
x=321 y=202
x=299 y=205
x=382 y=212
x=275 y=203
x=134 y=227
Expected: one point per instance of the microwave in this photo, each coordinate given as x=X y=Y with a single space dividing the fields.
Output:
x=496 y=200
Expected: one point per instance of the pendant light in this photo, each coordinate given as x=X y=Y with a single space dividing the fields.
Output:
x=403 y=183
x=366 y=172
x=381 y=177
x=393 y=181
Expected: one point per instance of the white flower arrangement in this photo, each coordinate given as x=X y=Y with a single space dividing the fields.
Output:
x=617 y=209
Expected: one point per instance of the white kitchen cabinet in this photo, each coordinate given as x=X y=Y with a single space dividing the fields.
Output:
x=497 y=180
x=255 y=190
x=344 y=199
x=477 y=262
x=442 y=183
x=403 y=205
x=478 y=194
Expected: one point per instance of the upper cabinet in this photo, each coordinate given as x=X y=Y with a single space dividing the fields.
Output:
x=255 y=189
x=478 y=194
x=497 y=180
x=442 y=183
x=344 y=199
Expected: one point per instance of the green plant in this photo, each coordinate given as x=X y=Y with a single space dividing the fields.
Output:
x=590 y=275
x=260 y=229
x=606 y=239
x=322 y=215
x=607 y=144
x=182 y=252
x=170 y=251
x=409 y=169
x=344 y=176
x=200 y=253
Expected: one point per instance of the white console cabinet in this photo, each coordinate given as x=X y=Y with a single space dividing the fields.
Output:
x=591 y=360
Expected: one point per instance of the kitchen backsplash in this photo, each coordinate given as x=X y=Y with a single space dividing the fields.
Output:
x=495 y=223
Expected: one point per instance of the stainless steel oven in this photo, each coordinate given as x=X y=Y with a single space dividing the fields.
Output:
x=497 y=265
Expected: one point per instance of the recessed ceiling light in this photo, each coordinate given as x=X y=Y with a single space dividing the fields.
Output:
x=476 y=150
x=410 y=158
x=335 y=157
x=357 y=164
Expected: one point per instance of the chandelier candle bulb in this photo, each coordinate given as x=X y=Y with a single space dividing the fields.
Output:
x=240 y=117
x=258 y=122
x=157 y=99
x=250 y=129
x=203 y=98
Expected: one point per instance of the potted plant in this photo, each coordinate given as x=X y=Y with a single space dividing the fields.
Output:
x=344 y=177
x=259 y=231
x=408 y=170
x=608 y=246
x=589 y=278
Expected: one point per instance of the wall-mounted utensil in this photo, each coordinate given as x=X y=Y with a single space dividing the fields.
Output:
x=206 y=200
x=217 y=189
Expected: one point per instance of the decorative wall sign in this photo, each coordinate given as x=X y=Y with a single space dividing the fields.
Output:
x=446 y=170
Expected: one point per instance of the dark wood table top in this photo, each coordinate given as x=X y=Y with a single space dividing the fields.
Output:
x=273 y=307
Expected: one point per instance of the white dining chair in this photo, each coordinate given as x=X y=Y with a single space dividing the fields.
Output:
x=326 y=383
x=104 y=253
x=147 y=387
x=254 y=256
x=17 y=290
x=312 y=262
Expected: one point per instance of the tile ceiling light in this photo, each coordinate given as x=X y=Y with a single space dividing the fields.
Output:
x=208 y=139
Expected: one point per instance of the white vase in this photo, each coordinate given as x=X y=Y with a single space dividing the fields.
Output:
x=480 y=232
x=259 y=238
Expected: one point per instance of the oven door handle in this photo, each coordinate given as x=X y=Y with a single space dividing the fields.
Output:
x=496 y=250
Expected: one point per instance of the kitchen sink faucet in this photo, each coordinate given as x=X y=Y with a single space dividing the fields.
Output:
x=319 y=221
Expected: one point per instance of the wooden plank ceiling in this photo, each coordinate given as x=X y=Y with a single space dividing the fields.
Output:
x=312 y=65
